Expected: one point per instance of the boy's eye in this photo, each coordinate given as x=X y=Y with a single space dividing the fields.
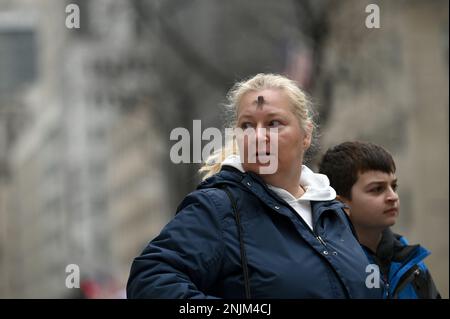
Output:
x=395 y=187
x=377 y=189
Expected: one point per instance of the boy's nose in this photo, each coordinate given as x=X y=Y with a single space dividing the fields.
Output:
x=392 y=196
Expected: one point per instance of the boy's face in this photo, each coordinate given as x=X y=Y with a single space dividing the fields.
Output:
x=375 y=203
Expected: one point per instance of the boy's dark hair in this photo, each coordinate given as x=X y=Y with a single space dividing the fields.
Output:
x=344 y=162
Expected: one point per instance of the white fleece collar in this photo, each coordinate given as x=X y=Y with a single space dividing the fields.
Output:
x=317 y=186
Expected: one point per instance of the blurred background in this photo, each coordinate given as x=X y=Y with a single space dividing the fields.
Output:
x=86 y=115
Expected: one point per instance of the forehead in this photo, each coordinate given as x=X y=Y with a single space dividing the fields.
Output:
x=375 y=176
x=273 y=100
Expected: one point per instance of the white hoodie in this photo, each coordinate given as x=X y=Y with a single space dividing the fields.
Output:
x=317 y=188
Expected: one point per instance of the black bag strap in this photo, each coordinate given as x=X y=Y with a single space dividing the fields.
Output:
x=241 y=242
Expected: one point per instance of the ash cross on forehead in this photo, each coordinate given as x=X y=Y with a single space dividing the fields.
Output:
x=260 y=101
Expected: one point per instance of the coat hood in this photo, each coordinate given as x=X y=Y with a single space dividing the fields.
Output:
x=317 y=186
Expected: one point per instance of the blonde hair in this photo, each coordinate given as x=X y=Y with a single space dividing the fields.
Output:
x=301 y=107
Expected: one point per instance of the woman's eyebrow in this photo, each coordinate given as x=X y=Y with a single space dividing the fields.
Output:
x=270 y=114
x=245 y=116
x=275 y=113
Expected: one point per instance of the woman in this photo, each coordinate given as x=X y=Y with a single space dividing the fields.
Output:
x=248 y=234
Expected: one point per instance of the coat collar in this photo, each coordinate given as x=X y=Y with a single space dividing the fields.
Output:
x=254 y=184
x=394 y=248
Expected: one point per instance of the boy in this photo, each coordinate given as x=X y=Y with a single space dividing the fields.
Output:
x=363 y=175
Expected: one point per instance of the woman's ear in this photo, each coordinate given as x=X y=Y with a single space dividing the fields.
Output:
x=308 y=136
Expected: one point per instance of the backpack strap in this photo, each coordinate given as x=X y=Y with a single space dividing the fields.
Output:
x=241 y=241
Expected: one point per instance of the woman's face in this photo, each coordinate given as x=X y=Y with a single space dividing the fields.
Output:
x=278 y=139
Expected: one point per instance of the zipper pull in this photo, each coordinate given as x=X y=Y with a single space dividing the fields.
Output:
x=321 y=240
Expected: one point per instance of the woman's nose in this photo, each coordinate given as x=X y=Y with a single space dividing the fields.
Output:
x=261 y=134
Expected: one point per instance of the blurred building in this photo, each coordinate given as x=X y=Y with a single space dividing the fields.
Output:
x=55 y=193
x=54 y=209
x=17 y=72
x=138 y=189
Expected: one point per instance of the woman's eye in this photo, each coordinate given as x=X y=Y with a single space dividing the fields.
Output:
x=246 y=125
x=274 y=123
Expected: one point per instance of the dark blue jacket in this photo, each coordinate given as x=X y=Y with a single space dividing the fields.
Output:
x=402 y=268
x=197 y=254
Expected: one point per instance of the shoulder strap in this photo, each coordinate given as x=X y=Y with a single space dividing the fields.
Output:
x=241 y=242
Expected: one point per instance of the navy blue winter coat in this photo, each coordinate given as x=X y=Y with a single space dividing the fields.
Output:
x=198 y=255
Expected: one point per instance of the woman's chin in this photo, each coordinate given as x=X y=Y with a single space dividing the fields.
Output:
x=260 y=168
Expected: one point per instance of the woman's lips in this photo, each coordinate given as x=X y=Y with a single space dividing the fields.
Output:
x=264 y=158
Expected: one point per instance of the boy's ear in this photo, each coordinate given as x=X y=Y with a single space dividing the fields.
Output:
x=344 y=201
